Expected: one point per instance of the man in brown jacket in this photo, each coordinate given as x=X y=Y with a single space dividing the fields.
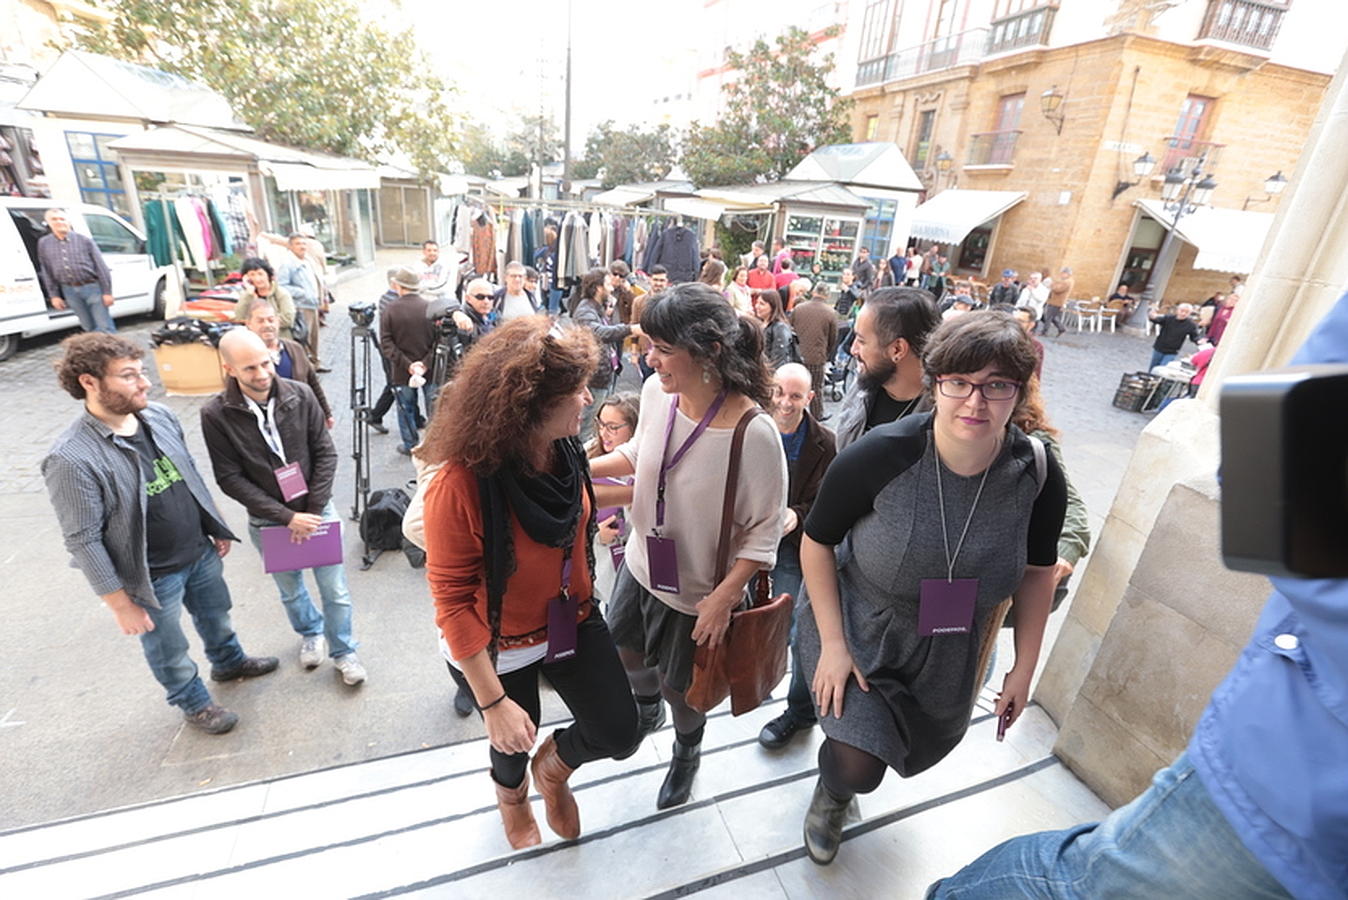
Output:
x=1059 y=292
x=407 y=338
x=816 y=325
x=809 y=448
x=287 y=356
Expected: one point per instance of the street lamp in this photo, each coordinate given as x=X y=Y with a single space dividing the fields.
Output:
x=944 y=164
x=1273 y=186
x=1143 y=166
x=1181 y=195
x=1050 y=104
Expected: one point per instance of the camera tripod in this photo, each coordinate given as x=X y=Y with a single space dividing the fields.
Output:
x=364 y=347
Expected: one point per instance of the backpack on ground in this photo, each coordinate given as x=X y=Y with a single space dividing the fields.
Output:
x=381 y=525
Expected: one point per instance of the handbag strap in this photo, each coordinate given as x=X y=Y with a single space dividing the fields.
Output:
x=728 y=504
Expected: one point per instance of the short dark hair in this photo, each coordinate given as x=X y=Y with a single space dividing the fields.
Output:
x=619 y=267
x=658 y=269
x=254 y=263
x=697 y=318
x=904 y=312
x=89 y=354
x=772 y=297
x=591 y=282
x=1027 y=311
x=977 y=340
x=530 y=273
x=425 y=244
x=786 y=264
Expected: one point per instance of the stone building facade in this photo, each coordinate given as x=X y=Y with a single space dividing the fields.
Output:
x=967 y=110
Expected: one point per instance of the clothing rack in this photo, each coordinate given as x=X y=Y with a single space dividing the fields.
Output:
x=163 y=197
x=576 y=205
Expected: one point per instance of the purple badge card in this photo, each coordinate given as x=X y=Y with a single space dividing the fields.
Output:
x=281 y=554
x=662 y=563
x=946 y=607
x=562 y=611
x=290 y=480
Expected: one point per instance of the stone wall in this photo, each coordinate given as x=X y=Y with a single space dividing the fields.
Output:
x=1179 y=628
x=1125 y=90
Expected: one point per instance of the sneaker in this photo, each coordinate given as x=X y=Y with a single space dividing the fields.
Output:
x=352 y=671
x=312 y=650
x=778 y=733
x=404 y=450
x=378 y=427
x=212 y=719
x=248 y=667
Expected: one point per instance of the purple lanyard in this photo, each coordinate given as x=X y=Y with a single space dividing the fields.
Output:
x=566 y=572
x=678 y=454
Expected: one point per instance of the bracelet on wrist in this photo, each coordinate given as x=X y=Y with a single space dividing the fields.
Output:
x=491 y=704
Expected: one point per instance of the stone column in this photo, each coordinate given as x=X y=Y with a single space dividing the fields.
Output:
x=1157 y=619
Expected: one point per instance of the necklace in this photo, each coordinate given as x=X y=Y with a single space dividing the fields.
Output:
x=945 y=530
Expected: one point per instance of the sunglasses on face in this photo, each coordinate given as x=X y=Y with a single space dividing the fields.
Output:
x=480 y=296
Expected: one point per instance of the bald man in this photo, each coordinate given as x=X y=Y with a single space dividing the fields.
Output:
x=809 y=448
x=270 y=449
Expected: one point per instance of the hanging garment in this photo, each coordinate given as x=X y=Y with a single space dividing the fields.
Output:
x=186 y=214
x=219 y=230
x=652 y=246
x=483 y=244
x=235 y=202
x=463 y=228
x=678 y=253
x=527 y=242
x=165 y=236
x=204 y=222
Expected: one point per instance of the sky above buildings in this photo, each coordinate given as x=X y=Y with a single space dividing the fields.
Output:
x=508 y=57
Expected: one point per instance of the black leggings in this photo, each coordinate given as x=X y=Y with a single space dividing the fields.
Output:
x=646 y=682
x=847 y=770
x=594 y=689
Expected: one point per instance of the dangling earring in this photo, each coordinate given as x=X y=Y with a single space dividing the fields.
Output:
x=706 y=375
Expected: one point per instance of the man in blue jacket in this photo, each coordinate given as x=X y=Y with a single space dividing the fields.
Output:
x=1257 y=806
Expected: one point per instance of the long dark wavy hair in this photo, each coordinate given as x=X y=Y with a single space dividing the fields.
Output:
x=507 y=383
x=697 y=318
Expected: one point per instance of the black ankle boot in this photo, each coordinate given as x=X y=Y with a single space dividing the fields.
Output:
x=679 y=782
x=824 y=824
x=650 y=719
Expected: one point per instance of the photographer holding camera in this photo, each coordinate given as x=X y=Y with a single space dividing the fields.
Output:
x=407 y=339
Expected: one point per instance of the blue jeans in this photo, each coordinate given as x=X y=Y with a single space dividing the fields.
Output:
x=334 y=622
x=1160 y=359
x=200 y=588
x=1170 y=842
x=787 y=579
x=86 y=302
x=407 y=411
x=554 y=300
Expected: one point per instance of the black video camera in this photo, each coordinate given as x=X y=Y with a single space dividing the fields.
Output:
x=362 y=314
x=1285 y=472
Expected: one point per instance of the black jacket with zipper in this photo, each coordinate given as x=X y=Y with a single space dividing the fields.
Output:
x=245 y=466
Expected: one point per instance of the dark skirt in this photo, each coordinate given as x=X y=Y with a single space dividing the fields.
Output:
x=642 y=623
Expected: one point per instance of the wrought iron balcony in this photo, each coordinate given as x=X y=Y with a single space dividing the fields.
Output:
x=960 y=49
x=1024 y=29
x=1184 y=153
x=992 y=148
x=1251 y=23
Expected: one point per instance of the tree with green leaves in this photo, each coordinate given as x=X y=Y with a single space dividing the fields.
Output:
x=778 y=108
x=311 y=73
x=490 y=157
x=627 y=155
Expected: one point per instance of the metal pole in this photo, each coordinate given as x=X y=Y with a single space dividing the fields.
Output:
x=1180 y=211
x=566 y=139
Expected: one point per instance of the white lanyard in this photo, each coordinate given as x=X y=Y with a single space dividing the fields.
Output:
x=945 y=532
x=266 y=423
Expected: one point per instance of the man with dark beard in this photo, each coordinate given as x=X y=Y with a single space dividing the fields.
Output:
x=141 y=525
x=890 y=332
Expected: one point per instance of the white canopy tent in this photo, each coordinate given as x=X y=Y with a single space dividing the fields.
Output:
x=1227 y=240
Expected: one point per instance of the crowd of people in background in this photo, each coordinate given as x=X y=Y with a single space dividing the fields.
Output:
x=565 y=520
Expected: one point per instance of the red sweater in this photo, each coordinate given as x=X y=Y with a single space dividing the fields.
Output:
x=457 y=577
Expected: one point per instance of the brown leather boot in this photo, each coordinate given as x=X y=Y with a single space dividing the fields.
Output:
x=550 y=774
x=516 y=815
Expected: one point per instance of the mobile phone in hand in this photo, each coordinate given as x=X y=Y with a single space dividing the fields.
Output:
x=1004 y=721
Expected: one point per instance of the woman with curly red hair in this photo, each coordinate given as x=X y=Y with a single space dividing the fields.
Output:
x=509 y=522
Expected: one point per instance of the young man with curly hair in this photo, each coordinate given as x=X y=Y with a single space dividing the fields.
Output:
x=141 y=525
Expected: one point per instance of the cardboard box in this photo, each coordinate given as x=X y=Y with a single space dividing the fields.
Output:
x=189 y=370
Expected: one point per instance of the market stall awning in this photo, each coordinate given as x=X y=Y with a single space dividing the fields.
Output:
x=948 y=217
x=308 y=177
x=623 y=196
x=294 y=169
x=696 y=207
x=1228 y=240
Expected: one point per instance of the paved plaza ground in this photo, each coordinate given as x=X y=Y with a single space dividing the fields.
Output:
x=83 y=726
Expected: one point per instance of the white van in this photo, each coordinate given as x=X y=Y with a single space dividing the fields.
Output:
x=138 y=285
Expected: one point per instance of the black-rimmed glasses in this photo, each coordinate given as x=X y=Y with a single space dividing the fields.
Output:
x=960 y=389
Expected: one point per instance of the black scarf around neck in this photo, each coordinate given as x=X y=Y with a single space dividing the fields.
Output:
x=548 y=506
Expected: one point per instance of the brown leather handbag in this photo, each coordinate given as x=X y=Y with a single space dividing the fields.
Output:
x=751 y=658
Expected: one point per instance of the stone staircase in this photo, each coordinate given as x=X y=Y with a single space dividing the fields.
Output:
x=424 y=824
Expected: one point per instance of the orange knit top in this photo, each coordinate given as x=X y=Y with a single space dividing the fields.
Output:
x=458 y=579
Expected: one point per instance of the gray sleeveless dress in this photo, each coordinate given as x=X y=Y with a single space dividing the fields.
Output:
x=878 y=506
